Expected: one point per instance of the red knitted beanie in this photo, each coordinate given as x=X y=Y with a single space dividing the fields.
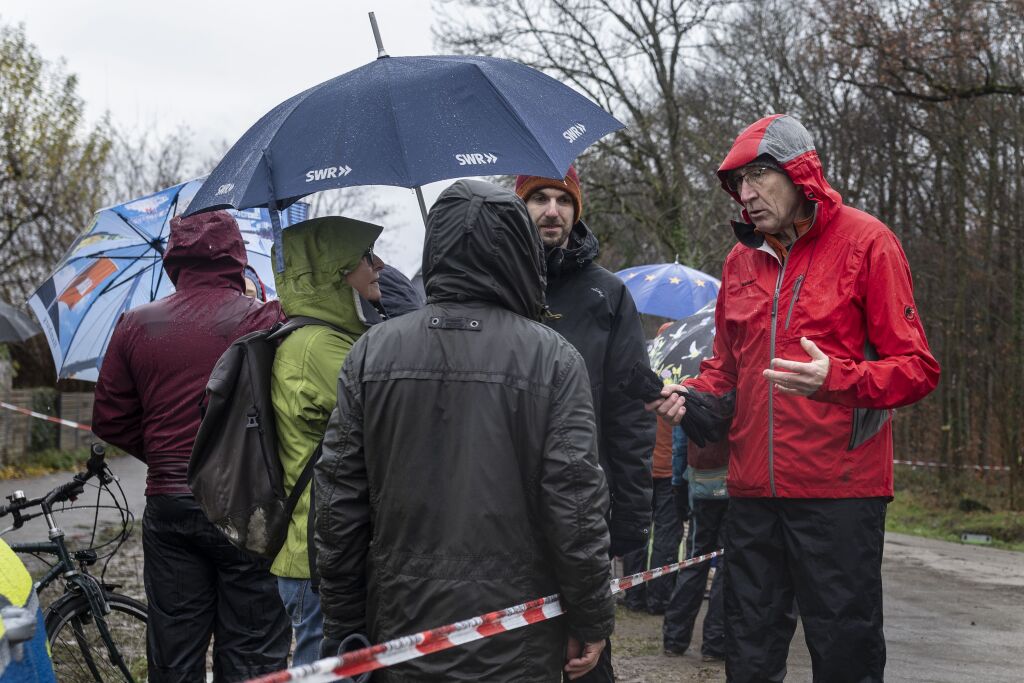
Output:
x=526 y=185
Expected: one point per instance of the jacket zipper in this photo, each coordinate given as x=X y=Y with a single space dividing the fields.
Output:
x=775 y=316
x=771 y=389
x=796 y=295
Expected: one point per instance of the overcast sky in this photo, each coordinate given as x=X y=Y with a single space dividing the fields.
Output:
x=218 y=65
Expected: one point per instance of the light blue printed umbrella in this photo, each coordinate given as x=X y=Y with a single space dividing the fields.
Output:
x=117 y=264
x=669 y=290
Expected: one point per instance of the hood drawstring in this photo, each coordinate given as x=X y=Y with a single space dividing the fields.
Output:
x=547 y=314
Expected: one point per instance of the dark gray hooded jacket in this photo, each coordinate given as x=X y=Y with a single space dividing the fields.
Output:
x=460 y=472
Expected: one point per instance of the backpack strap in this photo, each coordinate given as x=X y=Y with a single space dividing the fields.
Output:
x=289 y=508
x=314 y=573
x=284 y=329
x=303 y=481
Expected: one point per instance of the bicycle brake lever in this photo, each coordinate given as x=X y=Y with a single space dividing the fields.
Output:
x=19 y=521
x=106 y=476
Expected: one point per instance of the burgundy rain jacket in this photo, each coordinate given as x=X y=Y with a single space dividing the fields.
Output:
x=161 y=354
x=845 y=286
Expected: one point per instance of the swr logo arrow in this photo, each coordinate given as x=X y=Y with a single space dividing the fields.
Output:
x=329 y=172
x=475 y=159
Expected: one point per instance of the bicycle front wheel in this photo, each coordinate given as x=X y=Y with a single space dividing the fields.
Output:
x=80 y=653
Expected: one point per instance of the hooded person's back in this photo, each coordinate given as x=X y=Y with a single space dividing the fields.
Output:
x=160 y=355
x=464 y=438
x=318 y=254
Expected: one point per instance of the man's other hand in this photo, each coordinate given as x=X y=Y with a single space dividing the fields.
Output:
x=672 y=406
x=581 y=659
x=800 y=379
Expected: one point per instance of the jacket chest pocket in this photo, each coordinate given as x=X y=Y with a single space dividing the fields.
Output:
x=815 y=304
x=747 y=307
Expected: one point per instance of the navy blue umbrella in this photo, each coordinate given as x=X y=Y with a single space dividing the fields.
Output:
x=407 y=121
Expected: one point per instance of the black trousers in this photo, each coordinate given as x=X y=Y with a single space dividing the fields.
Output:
x=198 y=585
x=654 y=595
x=706 y=535
x=825 y=553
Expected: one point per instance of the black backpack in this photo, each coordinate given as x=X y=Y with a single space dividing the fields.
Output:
x=234 y=472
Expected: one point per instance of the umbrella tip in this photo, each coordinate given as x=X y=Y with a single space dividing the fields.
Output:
x=677 y=259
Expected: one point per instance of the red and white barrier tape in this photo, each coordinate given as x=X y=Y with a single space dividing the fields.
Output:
x=445 y=637
x=921 y=463
x=48 y=418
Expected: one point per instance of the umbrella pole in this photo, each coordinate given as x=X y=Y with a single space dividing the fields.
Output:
x=381 y=52
x=275 y=226
x=423 y=205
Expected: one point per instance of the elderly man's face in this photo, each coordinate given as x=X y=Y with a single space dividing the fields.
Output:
x=552 y=210
x=771 y=199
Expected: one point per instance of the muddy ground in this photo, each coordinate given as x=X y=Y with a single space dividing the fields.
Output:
x=953 y=613
x=638 y=657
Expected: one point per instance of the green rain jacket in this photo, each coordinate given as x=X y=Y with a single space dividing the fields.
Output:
x=318 y=254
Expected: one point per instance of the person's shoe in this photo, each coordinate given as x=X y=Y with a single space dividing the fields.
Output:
x=674 y=651
x=711 y=657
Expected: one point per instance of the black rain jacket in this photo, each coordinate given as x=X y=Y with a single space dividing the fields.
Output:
x=459 y=471
x=596 y=313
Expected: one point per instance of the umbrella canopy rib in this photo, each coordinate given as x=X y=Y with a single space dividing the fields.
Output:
x=393 y=115
x=516 y=113
x=134 y=282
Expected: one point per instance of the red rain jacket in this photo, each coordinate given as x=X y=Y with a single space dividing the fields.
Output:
x=846 y=286
x=160 y=355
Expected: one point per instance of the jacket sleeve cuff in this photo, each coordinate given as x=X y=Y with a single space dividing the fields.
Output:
x=339 y=631
x=823 y=393
x=592 y=633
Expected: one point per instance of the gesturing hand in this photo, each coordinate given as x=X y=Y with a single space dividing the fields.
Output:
x=800 y=379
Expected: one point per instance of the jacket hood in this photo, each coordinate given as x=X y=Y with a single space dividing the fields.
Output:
x=581 y=249
x=481 y=245
x=398 y=295
x=205 y=251
x=784 y=139
x=318 y=254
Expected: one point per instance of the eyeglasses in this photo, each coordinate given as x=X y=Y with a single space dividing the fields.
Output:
x=755 y=175
x=368 y=255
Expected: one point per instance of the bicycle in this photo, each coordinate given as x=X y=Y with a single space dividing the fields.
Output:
x=95 y=633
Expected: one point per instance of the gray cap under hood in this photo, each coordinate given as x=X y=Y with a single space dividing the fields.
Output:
x=481 y=245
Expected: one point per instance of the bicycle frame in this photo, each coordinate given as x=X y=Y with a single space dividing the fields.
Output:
x=77 y=582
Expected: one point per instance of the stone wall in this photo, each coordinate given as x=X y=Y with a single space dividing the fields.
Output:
x=16 y=430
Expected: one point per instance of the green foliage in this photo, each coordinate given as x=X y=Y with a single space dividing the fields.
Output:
x=51 y=460
x=51 y=163
x=43 y=435
x=942 y=507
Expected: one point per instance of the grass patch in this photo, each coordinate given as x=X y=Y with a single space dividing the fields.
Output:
x=49 y=461
x=935 y=505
